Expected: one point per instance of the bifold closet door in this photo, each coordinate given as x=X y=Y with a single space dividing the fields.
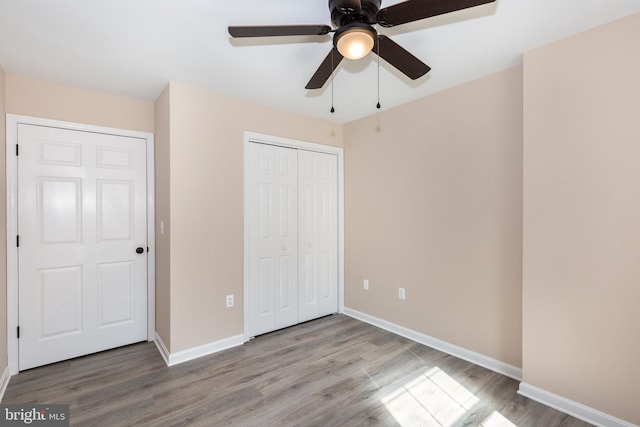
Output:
x=317 y=234
x=273 y=237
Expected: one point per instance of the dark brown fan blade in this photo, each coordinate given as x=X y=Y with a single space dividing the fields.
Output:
x=414 y=10
x=400 y=58
x=279 y=30
x=325 y=70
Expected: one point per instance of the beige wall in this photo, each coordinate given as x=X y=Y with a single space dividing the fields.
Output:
x=3 y=229
x=206 y=205
x=162 y=198
x=434 y=204
x=581 y=268
x=31 y=97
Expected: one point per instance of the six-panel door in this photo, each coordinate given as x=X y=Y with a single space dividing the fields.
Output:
x=82 y=215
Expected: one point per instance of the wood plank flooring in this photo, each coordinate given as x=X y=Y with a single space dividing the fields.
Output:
x=334 y=371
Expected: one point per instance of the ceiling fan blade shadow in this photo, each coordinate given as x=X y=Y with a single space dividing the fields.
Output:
x=279 y=30
x=414 y=10
x=325 y=70
x=400 y=58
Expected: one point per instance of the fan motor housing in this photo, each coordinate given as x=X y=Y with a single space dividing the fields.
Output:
x=343 y=15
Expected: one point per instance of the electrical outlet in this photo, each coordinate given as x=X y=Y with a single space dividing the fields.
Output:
x=365 y=284
x=401 y=293
x=229 y=301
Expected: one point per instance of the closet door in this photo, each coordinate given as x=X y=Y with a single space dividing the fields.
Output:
x=318 y=235
x=273 y=246
x=82 y=214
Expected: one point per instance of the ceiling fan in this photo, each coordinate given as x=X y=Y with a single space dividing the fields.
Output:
x=354 y=36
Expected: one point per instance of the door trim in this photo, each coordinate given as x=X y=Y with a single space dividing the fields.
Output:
x=250 y=137
x=13 y=121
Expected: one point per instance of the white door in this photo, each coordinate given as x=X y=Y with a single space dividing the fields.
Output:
x=81 y=218
x=318 y=235
x=273 y=245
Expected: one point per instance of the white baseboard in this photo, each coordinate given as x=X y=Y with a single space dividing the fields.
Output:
x=4 y=382
x=575 y=409
x=162 y=348
x=193 y=353
x=462 y=353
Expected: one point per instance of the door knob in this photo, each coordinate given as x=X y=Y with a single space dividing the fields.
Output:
x=139 y=250
x=284 y=248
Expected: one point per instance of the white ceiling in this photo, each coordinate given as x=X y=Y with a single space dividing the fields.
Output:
x=134 y=47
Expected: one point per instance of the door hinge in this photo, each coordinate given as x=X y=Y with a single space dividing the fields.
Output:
x=18 y=240
x=16 y=149
x=18 y=332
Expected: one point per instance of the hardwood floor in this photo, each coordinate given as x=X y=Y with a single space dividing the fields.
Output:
x=334 y=371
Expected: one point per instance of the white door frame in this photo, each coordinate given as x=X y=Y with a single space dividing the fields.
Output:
x=12 y=221
x=250 y=137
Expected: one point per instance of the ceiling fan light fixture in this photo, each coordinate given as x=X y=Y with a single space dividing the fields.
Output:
x=355 y=41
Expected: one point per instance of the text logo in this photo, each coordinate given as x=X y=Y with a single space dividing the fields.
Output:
x=34 y=415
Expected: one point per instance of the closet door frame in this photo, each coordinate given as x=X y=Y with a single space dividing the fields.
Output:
x=252 y=137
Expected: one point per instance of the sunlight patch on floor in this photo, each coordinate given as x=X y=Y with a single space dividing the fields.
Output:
x=496 y=419
x=430 y=399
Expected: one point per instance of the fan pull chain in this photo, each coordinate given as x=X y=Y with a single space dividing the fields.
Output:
x=378 y=104
x=333 y=110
